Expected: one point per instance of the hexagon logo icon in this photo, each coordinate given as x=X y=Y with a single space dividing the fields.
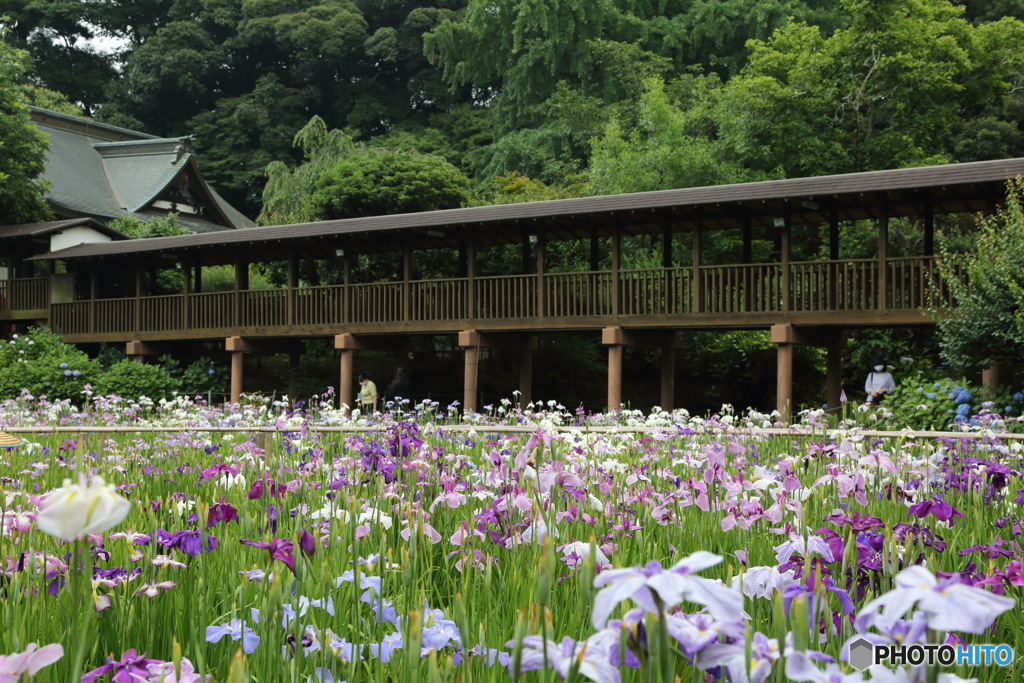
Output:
x=862 y=654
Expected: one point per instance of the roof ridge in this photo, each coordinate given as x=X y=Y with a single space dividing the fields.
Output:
x=87 y=122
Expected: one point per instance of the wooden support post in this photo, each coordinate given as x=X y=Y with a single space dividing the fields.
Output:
x=696 y=285
x=614 y=376
x=406 y=277
x=293 y=376
x=237 y=366
x=834 y=377
x=990 y=378
x=540 y=276
x=293 y=282
x=668 y=378
x=469 y=380
x=883 y=256
x=929 y=227
x=347 y=379
x=471 y=277
x=786 y=252
x=525 y=377
x=138 y=296
x=616 y=264
x=784 y=381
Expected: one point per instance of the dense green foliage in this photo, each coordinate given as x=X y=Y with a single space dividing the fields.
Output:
x=987 y=323
x=42 y=364
x=131 y=380
x=22 y=146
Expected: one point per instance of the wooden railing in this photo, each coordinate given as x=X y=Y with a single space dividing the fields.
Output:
x=507 y=296
x=817 y=286
x=25 y=294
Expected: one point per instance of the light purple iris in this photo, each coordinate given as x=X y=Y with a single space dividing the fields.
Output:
x=763 y=653
x=800 y=668
x=948 y=604
x=671 y=586
x=592 y=658
x=237 y=629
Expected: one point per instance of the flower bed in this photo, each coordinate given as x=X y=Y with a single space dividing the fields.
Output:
x=419 y=549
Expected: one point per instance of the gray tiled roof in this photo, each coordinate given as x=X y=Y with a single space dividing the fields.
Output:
x=105 y=172
x=39 y=229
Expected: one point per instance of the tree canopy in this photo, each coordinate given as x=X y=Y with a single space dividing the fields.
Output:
x=22 y=146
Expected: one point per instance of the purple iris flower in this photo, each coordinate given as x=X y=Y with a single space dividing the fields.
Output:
x=671 y=586
x=280 y=549
x=129 y=669
x=307 y=544
x=938 y=508
x=188 y=541
x=235 y=628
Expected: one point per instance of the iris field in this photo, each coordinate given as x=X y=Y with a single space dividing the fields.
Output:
x=535 y=545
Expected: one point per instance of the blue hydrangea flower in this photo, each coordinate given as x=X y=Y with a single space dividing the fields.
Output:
x=211 y=371
x=963 y=410
x=930 y=394
x=76 y=373
x=965 y=396
x=1019 y=396
x=1008 y=409
x=63 y=365
x=67 y=373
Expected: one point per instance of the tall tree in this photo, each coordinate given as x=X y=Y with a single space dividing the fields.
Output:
x=22 y=146
x=882 y=93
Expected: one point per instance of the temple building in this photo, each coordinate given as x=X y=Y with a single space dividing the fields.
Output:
x=103 y=172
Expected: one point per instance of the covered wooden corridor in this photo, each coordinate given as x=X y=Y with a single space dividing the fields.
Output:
x=803 y=302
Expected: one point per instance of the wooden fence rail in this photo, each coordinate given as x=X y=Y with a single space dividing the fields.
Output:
x=847 y=285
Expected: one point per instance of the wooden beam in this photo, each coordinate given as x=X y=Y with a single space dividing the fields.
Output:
x=258 y=345
x=808 y=336
x=643 y=339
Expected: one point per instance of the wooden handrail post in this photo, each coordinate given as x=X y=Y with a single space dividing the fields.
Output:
x=786 y=253
x=471 y=276
x=138 y=296
x=406 y=277
x=241 y=283
x=883 y=255
x=186 y=313
x=540 y=276
x=346 y=270
x=616 y=263
x=666 y=263
x=93 y=290
x=293 y=277
x=697 y=286
x=833 y=255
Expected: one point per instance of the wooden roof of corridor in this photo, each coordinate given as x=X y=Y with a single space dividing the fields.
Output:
x=954 y=188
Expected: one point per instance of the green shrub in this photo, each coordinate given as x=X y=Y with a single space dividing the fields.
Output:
x=204 y=376
x=131 y=380
x=42 y=363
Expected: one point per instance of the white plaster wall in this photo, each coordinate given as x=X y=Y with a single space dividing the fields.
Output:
x=75 y=236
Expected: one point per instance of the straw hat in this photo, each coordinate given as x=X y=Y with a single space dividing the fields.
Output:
x=7 y=440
